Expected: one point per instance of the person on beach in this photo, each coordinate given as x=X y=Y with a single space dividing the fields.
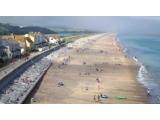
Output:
x=101 y=95
x=97 y=69
x=94 y=98
x=86 y=88
x=148 y=92
x=98 y=81
x=98 y=97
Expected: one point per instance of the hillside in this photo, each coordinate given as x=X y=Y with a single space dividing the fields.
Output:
x=64 y=29
x=8 y=29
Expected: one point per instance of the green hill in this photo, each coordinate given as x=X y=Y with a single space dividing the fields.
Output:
x=8 y=29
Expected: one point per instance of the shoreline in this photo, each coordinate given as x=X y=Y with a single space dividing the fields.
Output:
x=135 y=61
x=80 y=87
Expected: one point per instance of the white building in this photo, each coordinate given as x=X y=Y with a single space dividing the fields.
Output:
x=36 y=40
x=53 y=40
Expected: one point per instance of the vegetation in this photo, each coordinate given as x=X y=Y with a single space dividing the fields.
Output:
x=74 y=37
x=6 y=29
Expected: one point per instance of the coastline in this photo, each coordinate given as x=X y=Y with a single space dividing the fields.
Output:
x=110 y=57
x=140 y=67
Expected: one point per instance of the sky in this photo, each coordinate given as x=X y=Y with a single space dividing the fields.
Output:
x=118 y=24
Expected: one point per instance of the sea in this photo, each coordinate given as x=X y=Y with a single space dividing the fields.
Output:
x=145 y=49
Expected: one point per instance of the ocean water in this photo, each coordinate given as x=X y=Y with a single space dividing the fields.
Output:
x=146 y=48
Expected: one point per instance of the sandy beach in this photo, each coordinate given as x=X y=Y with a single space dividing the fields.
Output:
x=93 y=66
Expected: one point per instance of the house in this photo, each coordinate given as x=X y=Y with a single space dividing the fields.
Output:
x=14 y=47
x=5 y=51
x=36 y=40
x=22 y=42
x=7 y=37
x=53 y=41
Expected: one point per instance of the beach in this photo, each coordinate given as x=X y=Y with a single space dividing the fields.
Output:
x=92 y=66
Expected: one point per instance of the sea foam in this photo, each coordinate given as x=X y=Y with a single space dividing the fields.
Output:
x=141 y=76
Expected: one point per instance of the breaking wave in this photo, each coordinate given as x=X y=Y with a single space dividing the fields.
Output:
x=142 y=74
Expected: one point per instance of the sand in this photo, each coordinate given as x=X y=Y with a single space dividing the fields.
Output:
x=97 y=57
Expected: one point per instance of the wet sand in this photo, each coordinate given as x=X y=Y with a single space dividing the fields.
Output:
x=94 y=65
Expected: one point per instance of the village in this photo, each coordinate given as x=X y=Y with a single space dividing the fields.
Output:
x=17 y=46
x=23 y=55
x=20 y=56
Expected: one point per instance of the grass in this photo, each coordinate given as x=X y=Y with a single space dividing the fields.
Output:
x=74 y=37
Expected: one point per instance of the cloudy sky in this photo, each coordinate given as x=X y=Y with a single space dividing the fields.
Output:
x=149 y=25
